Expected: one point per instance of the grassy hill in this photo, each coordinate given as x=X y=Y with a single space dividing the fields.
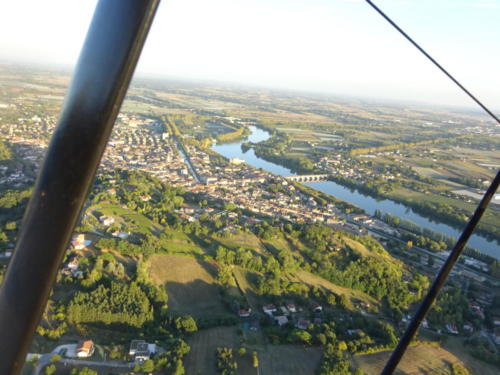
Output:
x=420 y=359
x=353 y=295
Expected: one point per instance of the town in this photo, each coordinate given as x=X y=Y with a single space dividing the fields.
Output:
x=227 y=266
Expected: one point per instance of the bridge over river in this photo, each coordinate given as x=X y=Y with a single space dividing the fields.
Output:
x=308 y=177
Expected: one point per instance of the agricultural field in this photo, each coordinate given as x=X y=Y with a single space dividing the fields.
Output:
x=202 y=359
x=289 y=359
x=273 y=359
x=190 y=284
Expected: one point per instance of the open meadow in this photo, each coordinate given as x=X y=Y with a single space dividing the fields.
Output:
x=190 y=285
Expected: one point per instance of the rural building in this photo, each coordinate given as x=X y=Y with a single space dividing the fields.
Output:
x=85 y=349
x=141 y=350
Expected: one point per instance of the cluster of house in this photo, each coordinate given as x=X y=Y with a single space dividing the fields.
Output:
x=29 y=135
x=71 y=267
x=252 y=193
x=345 y=166
x=141 y=143
x=285 y=314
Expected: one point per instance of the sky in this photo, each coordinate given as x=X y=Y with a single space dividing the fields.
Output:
x=330 y=46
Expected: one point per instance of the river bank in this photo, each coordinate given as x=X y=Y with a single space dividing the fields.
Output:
x=365 y=202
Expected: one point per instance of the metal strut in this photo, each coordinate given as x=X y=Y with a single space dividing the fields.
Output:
x=101 y=78
x=440 y=279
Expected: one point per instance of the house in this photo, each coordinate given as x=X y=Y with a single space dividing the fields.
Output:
x=78 y=242
x=107 y=220
x=468 y=327
x=291 y=307
x=496 y=321
x=284 y=310
x=269 y=309
x=244 y=313
x=281 y=320
x=73 y=263
x=85 y=349
x=452 y=328
x=141 y=350
x=134 y=345
x=316 y=307
x=303 y=324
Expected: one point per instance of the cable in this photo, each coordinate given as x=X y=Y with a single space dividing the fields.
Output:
x=440 y=279
x=433 y=61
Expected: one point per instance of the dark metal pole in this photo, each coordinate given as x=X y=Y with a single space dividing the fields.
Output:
x=440 y=279
x=101 y=78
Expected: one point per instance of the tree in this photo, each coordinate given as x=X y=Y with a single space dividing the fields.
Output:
x=148 y=366
x=301 y=336
x=49 y=370
x=179 y=368
x=255 y=360
x=342 y=345
x=186 y=324
x=83 y=371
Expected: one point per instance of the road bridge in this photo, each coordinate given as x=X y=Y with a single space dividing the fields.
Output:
x=308 y=177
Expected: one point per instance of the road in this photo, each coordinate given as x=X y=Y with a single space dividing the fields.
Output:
x=44 y=360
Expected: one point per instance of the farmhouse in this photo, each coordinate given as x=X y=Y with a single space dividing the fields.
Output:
x=85 y=349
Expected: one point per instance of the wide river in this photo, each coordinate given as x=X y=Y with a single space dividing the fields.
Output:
x=369 y=204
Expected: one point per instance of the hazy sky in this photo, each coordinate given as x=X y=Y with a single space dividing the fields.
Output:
x=337 y=46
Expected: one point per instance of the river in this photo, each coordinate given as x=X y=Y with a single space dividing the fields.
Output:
x=367 y=203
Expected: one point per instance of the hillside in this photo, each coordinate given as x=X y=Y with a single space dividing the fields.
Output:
x=418 y=360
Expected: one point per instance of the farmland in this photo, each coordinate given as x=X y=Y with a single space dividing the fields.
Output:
x=190 y=284
x=273 y=359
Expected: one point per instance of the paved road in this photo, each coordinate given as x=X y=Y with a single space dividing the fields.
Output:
x=44 y=360
x=94 y=363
